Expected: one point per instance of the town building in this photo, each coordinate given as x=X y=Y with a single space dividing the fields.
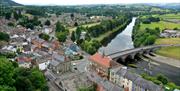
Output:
x=25 y=62
x=131 y=81
x=59 y=64
x=101 y=64
x=43 y=62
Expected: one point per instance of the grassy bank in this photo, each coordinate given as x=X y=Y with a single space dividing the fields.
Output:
x=173 y=52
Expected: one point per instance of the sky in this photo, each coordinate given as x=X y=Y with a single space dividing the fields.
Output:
x=81 y=2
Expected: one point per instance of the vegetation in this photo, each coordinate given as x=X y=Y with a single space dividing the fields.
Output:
x=47 y=23
x=29 y=23
x=148 y=28
x=146 y=37
x=11 y=24
x=4 y=36
x=132 y=65
x=150 y=19
x=161 y=25
x=61 y=32
x=14 y=78
x=44 y=36
x=161 y=80
x=8 y=54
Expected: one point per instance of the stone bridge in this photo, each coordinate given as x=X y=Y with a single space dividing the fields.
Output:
x=132 y=53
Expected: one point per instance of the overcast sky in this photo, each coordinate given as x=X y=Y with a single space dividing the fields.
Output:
x=80 y=2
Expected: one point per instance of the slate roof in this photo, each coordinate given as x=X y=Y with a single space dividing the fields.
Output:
x=147 y=84
x=131 y=76
x=138 y=80
x=121 y=72
x=58 y=57
x=54 y=63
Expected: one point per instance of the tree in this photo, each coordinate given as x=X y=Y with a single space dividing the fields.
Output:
x=6 y=72
x=162 y=78
x=8 y=16
x=73 y=36
x=150 y=40
x=76 y=24
x=11 y=24
x=7 y=88
x=60 y=27
x=47 y=23
x=61 y=36
x=44 y=36
x=36 y=74
x=4 y=36
x=17 y=15
x=29 y=80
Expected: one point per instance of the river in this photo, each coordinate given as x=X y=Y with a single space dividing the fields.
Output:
x=122 y=41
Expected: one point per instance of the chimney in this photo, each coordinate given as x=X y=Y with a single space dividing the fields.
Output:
x=103 y=54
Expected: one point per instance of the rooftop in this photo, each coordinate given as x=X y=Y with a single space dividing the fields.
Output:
x=100 y=59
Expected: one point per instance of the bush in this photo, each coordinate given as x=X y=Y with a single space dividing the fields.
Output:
x=11 y=24
x=4 y=36
x=162 y=78
x=44 y=36
x=132 y=65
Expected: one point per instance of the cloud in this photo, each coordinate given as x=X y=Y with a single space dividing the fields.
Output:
x=79 y=2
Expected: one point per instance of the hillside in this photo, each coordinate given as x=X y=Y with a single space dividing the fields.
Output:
x=9 y=3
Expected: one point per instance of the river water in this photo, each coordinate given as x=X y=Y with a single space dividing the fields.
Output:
x=122 y=41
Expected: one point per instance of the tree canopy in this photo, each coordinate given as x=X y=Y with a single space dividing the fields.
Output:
x=13 y=78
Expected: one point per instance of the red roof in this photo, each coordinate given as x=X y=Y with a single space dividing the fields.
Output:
x=99 y=88
x=101 y=60
x=24 y=59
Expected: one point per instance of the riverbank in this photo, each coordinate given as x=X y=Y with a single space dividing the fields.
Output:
x=108 y=36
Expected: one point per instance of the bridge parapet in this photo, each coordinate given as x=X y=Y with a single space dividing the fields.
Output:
x=141 y=50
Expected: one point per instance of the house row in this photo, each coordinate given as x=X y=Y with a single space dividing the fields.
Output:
x=108 y=69
x=131 y=81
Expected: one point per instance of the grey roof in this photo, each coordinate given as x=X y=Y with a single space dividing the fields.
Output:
x=131 y=76
x=110 y=86
x=121 y=72
x=58 y=58
x=147 y=84
x=117 y=88
x=54 y=63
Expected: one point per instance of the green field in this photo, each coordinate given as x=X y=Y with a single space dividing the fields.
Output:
x=170 y=16
x=162 y=25
x=173 y=52
x=85 y=25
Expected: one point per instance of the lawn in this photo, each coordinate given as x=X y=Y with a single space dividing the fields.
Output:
x=162 y=25
x=173 y=52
